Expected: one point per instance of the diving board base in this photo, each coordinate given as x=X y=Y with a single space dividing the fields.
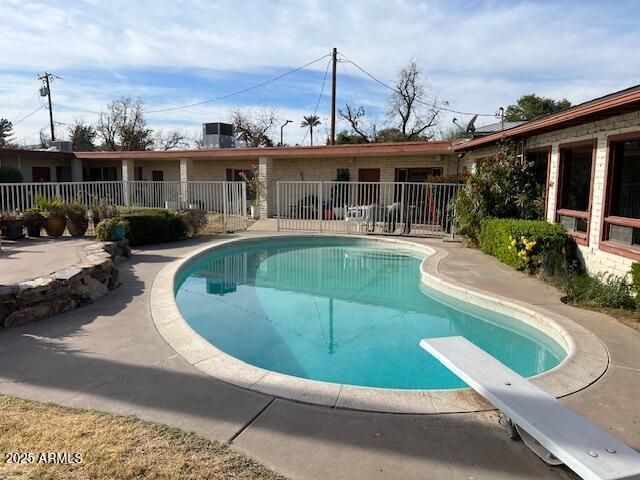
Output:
x=585 y=448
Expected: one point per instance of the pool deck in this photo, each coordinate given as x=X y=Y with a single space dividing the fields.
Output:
x=109 y=356
x=29 y=258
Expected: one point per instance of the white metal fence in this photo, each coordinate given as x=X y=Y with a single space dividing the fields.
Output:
x=400 y=208
x=227 y=199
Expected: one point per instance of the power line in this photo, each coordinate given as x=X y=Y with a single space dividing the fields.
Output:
x=28 y=115
x=430 y=105
x=58 y=105
x=238 y=92
x=324 y=81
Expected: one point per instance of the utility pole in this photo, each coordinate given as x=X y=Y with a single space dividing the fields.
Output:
x=334 y=61
x=46 y=91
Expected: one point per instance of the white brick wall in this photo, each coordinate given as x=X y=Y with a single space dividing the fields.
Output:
x=595 y=260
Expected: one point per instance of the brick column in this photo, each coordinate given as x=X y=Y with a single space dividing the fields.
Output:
x=267 y=198
x=185 y=168
x=127 y=176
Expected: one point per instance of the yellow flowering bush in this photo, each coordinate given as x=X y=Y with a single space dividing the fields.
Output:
x=535 y=246
x=526 y=251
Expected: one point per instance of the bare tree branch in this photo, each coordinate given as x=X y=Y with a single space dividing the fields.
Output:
x=354 y=116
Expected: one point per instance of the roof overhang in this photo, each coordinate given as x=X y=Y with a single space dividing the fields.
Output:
x=610 y=105
x=322 y=151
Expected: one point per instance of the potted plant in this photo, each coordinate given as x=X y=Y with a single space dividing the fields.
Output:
x=53 y=212
x=77 y=221
x=111 y=229
x=11 y=225
x=34 y=221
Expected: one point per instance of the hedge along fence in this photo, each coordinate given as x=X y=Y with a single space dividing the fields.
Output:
x=147 y=226
x=535 y=246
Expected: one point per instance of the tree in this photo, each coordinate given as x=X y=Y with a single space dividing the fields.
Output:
x=344 y=137
x=255 y=127
x=6 y=133
x=354 y=116
x=408 y=105
x=171 y=140
x=45 y=139
x=82 y=136
x=309 y=122
x=529 y=107
x=124 y=126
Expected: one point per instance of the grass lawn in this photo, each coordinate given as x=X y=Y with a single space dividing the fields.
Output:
x=112 y=447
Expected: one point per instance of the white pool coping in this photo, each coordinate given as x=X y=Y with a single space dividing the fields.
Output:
x=587 y=358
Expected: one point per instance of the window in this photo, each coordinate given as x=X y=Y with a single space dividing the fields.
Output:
x=417 y=174
x=157 y=175
x=110 y=173
x=343 y=175
x=137 y=173
x=63 y=174
x=621 y=226
x=41 y=174
x=574 y=188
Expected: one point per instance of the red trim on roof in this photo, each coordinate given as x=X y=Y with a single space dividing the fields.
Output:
x=365 y=149
x=609 y=105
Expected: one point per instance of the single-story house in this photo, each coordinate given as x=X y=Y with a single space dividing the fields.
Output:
x=591 y=155
x=589 y=158
x=380 y=162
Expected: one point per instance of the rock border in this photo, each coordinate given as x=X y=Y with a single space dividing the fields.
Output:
x=64 y=289
x=587 y=357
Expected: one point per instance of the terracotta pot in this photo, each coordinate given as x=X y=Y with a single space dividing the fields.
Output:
x=55 y=226
x=78 y=227
x=12 y=230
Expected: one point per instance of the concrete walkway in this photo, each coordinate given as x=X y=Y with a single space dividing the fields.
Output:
x=29 y=258
x=109 y=356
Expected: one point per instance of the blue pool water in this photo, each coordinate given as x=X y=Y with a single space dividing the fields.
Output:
x=345 y=311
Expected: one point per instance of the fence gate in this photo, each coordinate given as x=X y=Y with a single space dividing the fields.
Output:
x=392 y=208
x=225 y=202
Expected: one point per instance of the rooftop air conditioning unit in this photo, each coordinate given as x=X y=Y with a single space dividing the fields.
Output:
x=218 y=135
x=62 y=146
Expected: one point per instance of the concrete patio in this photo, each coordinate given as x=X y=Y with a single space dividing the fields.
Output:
x=109 y=356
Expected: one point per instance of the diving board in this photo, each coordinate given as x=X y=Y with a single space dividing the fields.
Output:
x=585 y=448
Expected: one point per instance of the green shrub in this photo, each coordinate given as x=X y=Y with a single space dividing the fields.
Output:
x=105 y=228
x=535 y=246
x=10 y=175
x=635 y=282
x=148 y=226
x=609 y=291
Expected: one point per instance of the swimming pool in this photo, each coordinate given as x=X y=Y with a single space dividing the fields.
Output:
x=343 y=310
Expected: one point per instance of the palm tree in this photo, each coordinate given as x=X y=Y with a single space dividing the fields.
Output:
x=310 y=121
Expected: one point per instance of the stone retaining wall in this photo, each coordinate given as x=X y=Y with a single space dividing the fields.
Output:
x=65 y=289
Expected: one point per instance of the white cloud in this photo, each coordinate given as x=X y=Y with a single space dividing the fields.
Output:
x=478 y=55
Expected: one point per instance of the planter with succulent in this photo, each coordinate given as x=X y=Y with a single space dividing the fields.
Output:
x=34 y=222
x=53 y=212
x=11 y=225
x=77 y=221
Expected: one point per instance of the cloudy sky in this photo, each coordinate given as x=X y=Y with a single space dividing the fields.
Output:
x=477 y=55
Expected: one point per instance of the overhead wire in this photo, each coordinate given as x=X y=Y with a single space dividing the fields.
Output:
x=241 y=91
x=430 y=105
x=315 y=111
